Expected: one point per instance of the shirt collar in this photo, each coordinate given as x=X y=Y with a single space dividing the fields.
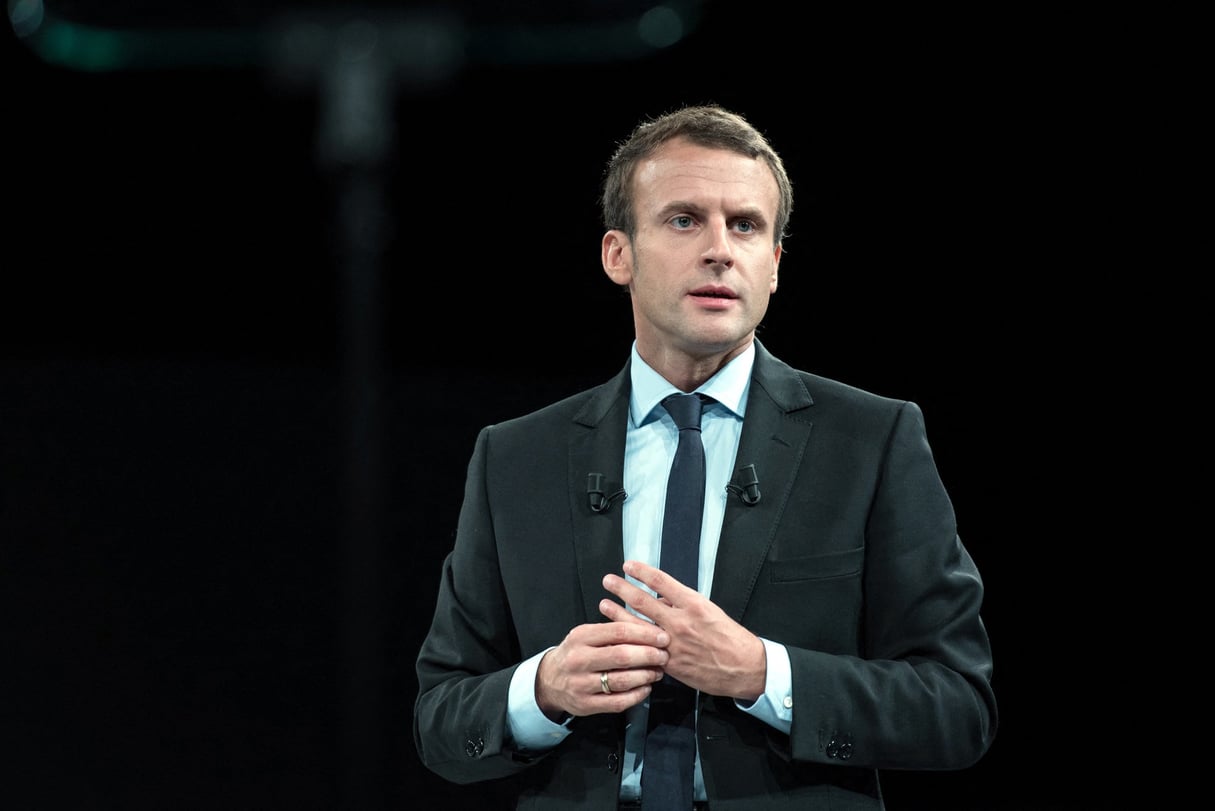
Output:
x=729 y=386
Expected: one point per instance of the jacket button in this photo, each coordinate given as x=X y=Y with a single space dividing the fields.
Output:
x=613 y=763
x=840 y=746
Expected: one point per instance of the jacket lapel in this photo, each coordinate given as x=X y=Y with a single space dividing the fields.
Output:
x=597 y=446
x=774 y=437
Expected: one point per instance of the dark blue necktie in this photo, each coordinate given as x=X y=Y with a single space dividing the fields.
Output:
x=670 y=746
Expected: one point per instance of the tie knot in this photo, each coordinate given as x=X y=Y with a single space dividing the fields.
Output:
x=684 y=409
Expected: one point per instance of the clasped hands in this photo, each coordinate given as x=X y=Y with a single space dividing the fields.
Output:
x=610 y=666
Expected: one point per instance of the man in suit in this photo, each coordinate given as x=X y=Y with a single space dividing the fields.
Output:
x=833 y=629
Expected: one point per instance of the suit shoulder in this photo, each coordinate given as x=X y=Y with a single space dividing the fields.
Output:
x=844 y=410
x=828 y=390
x=836 y=400
x=796 y=389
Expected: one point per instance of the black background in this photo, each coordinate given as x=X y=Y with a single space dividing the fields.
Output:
x=228 y=484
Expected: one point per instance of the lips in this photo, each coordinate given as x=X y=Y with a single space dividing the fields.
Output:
x=713 y=291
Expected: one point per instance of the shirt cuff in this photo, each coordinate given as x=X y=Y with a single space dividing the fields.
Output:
x=775 y=706
x=529 y=727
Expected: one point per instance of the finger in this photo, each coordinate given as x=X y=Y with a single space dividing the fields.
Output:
x=621 y=682
x=617 y=701
x=651 y=606
x=658 y=580
x=636 y=598
x=651 y=653
x=624 y=631
x=618 y=613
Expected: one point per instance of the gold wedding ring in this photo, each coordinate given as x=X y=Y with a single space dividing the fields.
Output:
x=603 y=683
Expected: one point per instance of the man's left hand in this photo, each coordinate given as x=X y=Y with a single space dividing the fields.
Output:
x=708 y=650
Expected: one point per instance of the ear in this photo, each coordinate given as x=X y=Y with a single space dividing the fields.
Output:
x=617 y=255
x=775 y=268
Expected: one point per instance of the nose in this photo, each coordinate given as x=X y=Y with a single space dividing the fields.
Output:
x=717 y=251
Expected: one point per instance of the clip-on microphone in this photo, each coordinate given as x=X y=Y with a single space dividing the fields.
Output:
x=594 y=491
x=748 y=490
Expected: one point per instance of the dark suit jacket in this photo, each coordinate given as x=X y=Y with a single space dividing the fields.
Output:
x=851 y=558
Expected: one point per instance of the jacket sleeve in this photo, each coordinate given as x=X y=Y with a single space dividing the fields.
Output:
x=918 y=693
x=470 y=652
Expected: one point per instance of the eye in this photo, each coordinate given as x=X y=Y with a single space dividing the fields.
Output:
x=682 y=221
x=746 y=226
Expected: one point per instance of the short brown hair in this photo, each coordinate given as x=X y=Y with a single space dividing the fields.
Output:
x=706 y=125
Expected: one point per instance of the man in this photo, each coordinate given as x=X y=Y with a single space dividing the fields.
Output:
x=833 y=629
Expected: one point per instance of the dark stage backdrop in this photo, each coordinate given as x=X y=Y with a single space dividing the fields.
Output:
x=236 y=342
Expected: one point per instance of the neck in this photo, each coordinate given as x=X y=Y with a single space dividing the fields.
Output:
x=686 y=371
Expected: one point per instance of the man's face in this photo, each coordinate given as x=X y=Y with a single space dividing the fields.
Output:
x=703 y=263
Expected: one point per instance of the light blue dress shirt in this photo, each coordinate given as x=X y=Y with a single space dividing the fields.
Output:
x=649 y=448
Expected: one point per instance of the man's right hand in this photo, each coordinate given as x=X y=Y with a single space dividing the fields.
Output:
x=627 y=655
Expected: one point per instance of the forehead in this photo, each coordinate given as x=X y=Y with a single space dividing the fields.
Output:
x=682 y=170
